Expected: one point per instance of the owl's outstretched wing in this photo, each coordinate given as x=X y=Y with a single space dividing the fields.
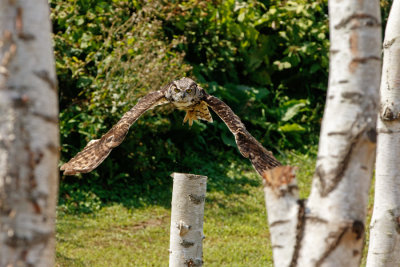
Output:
x=249 y=147
x=97 y=150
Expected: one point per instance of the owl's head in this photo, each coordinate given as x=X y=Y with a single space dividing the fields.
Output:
x=183 y=92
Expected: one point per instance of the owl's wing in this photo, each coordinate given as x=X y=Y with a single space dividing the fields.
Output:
x=249 y=147
x=97 y=150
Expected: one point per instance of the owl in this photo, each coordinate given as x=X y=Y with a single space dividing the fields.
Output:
x=185 y=94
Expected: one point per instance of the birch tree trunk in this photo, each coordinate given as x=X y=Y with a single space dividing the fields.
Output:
x=384 y=245
x=28 y=135
x=336 y=210
x=186 y=239
x=329 y=227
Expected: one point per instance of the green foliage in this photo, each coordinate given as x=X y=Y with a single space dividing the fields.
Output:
x=76 y=200
x=262 y=43
x=279 y=48
x=255 y=55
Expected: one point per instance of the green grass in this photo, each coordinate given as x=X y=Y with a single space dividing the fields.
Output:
x=235 y=226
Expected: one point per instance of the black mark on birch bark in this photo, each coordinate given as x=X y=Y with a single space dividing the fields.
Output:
x=388 y=114
x=53 y=148
x=20 y=101
x=194 y=263
x=386 y=131
x=315 y=219
x=372 y=135
x=361 y=20
x=197 y=199
x=353 y=97
x=193 y=176
x=26 y=36
x=35 y=237
x=36 y=206
x=45 y=76
x=389 y=43
x=358 y=228
x=24 y=255
x=299 y=232
x=330 y=180
x=397 y=222
x=19 y=26
x=333 y=240
x=279 y=222
x=337 y=133
x=396 y=219
x=362 y=60
x=32 y=167
x=9 y=53
x=186 y=244
x=45 y=117
x=334 y=51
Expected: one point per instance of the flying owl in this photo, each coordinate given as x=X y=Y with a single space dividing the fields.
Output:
x=185 y=94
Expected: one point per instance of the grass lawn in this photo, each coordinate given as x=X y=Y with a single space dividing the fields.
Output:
x=235 y=226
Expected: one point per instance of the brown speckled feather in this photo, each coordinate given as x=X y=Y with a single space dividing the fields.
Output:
x=249 y=147
x=198 y=112
x=96 y=151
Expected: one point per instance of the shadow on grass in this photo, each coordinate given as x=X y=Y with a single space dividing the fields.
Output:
x=225 y=174
x=62 y=260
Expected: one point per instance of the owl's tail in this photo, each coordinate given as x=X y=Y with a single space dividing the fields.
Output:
x=198 y=112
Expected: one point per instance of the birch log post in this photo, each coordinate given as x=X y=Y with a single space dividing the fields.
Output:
x=186 y=239
x=28 y=135
x=384 y=244
x=285 y=213
x=328 y=229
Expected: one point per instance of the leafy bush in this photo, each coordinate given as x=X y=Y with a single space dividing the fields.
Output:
x=253 y=42
x=267 y=59
x=278 y=48
x=76 y=200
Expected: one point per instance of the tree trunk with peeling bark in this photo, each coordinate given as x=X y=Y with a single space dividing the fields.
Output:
x=28 y=135
x=384 y=245
x=328 y=229
x=186 y=239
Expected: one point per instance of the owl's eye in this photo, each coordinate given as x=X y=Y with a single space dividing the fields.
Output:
x=192 y=87
x=176 y=90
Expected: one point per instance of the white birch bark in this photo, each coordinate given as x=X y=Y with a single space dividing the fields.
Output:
x=28 y=135
x=328 y=229
x=186 y=239
x=384 y=245
x=336 y=210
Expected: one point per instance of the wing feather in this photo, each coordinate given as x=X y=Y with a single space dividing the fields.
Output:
x=96 y=151
x=249 y=147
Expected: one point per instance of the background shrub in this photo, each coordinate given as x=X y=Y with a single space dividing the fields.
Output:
x=267 y=59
